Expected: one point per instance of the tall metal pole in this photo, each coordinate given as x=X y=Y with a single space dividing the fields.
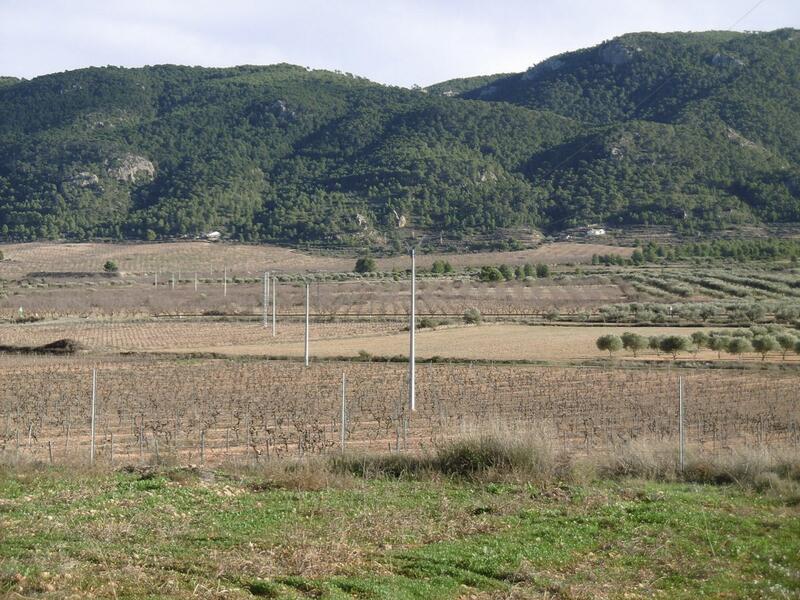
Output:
x=681 y=435
x=412 y=326
x=195 y=281
x=94 y=400
x=306 y=335
x=225 y=282
x=266 y=297
x=344 y=413
x=274 y=304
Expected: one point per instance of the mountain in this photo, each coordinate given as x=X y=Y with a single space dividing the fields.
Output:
x=697 y=131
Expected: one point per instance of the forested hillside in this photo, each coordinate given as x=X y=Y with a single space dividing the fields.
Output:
x=693 y=130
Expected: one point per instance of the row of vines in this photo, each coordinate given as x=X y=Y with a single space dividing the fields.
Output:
x=216 y=410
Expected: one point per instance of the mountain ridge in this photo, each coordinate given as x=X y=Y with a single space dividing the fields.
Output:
x=642 y=129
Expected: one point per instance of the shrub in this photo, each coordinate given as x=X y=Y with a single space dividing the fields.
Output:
x=110 y=267
x=609 y=342
x=507 y=272
x=542 y=271
x=529 y=270
x=490 y=274
x=472 y=316
x=441 y=266
x=427 y=323
x=365 y=264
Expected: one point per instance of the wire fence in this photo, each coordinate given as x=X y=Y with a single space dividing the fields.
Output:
x=213 y=411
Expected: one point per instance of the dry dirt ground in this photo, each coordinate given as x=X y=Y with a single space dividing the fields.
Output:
x=209 y=259
x=484 y=342
x=378 y=337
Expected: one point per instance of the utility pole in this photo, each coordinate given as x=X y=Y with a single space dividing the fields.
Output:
x=266 y=297
x=412 y=399
x=274 y=305
x=225 y=282
x=343 y=422
x=195 y=281
x=306 y=335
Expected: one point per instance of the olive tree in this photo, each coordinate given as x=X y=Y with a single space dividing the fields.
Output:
x=764 y=344
x=654 y=343
x=610 y=342
x=719 y=344
x=787 y=342
x=634 y=342
x=739 y=345
x=673 y=344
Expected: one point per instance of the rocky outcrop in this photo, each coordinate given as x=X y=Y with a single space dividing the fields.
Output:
x=616 y=53
x=132 y=168
x=84 y=179
x=547 y=66
x=725 y=60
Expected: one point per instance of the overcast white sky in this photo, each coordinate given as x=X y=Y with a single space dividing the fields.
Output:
x=400 y=42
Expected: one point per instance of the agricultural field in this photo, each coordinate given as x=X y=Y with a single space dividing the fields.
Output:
x=328 y=299
x=214 y=411
x=32 y=259
x=187 y=440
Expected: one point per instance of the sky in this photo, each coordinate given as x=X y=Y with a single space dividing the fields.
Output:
x=397 y=42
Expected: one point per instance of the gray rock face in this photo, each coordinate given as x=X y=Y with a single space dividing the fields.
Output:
x=547 y=66
x=724 y=60
x=84 y=179
x=131 y=167
x=615 y=53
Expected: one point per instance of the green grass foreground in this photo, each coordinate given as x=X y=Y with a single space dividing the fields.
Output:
x=188 y=533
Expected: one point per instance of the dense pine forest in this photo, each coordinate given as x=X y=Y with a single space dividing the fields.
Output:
x=695 y=131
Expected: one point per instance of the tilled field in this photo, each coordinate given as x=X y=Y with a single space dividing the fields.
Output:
x=442 y=297
x=217 y=410
x=247 y=259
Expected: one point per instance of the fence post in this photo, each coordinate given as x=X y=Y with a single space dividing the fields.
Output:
x=94 y=400
x=202 y=446
x=344 y=413
x=681 y=434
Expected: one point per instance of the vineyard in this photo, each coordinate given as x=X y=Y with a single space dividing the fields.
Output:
x=329 y=299
x=216 y=411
